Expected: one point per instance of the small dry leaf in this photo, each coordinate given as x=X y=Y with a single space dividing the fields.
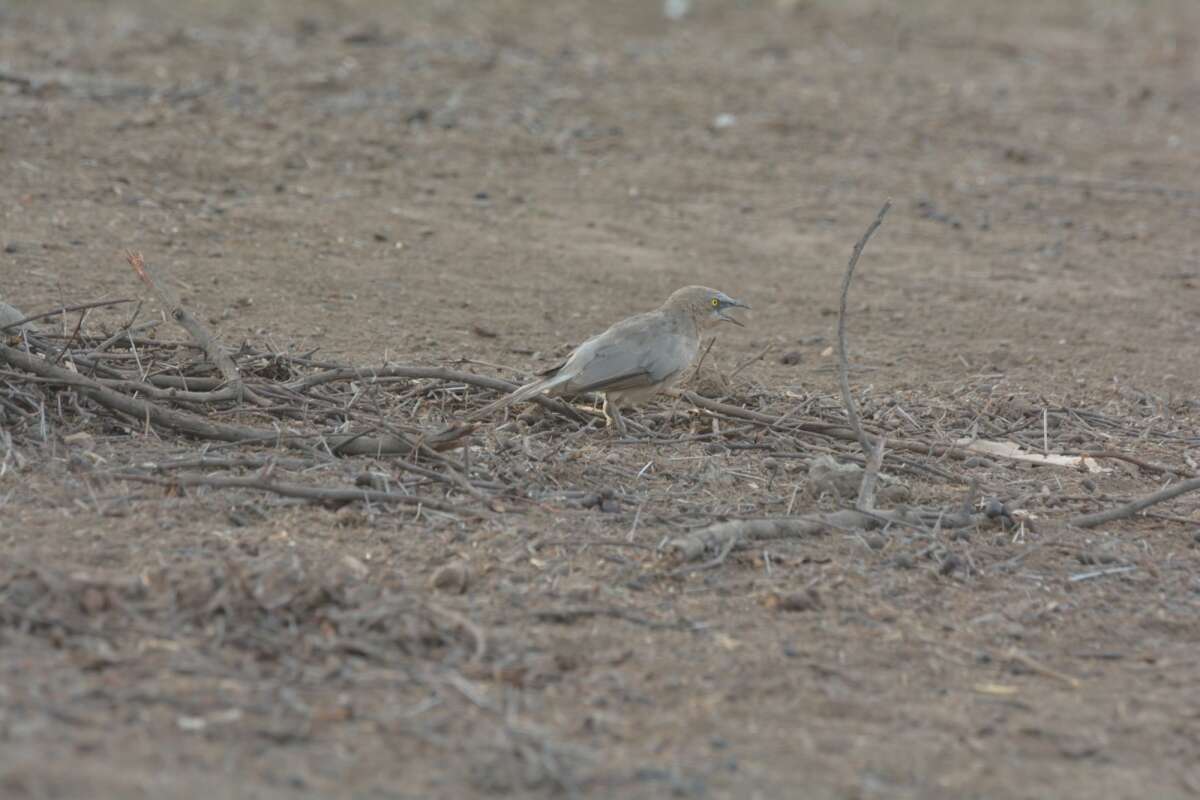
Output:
x=356 y=568
x=484 y=332
x=727 y=642
x=807 y=600
x=450 y=578
x=340 y=712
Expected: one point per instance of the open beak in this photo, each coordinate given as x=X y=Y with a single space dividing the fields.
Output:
x=727 y=318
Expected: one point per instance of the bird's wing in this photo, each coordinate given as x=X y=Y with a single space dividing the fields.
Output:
x=520 y=394
x=546 y=373
x=636 y=353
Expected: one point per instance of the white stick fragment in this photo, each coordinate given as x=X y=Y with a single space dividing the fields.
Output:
x=1100 y=573
x=1017 y=453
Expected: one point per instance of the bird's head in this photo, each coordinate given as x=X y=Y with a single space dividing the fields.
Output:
x=707 y=306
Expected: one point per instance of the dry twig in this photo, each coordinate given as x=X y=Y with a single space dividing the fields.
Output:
x=314 y=493
x=1130 y=509
x=873 y=453
x=63 y=310
x=843 y=359
x=193 y=425
x=174 y=306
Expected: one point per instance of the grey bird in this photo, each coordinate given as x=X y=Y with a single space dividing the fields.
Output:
x=635 y=358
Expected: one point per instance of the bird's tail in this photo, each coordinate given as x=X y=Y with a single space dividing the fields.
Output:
x=523 y=393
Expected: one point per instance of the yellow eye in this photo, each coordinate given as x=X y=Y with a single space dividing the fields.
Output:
x=716 y=302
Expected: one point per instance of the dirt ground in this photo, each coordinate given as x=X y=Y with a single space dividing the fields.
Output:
x=439 y=180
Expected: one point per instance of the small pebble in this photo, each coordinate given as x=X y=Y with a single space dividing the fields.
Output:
x=483 y=331
x=372 y=480
x=807 y=600
x=94 y=600
x=949 y=564
x=995 y=508
x=895 y=493
x=723 y=121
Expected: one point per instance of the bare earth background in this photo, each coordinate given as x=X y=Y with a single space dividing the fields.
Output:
x=378 y=179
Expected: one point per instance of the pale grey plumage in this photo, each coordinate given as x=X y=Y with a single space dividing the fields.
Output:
x=9 y=316
x=637 y=357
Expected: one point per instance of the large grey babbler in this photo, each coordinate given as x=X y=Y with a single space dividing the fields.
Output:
x=635 y=358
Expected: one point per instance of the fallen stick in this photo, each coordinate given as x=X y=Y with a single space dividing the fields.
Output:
x=431 y=373
x=227 y=393
x=843 y=359
x=822 y=428
x=1014 y=452
x=872 y=451
x=747 y=532
x=866 y=489
x=717 y=537
x=343 y=444
x=1132 y=187
x=185 y=382
x=174 y=306
x=236 y=462
x=1130 y=509
x=14 y=78
x=64 y=310
x=467 y=625
x=1028 y=662
x=567 y=615
x=1160 y=469
x=314 y=493
x=842 y=432
x=124 y=333
x=1099 y=573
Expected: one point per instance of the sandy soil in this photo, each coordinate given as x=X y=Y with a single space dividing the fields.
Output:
x=385 y=184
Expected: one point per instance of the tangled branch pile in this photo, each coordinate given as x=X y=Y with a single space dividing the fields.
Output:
x=241 y=408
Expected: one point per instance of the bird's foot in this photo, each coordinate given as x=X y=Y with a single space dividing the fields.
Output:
x=612 y=415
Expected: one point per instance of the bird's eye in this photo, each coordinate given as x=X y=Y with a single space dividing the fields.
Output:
x=716 y=302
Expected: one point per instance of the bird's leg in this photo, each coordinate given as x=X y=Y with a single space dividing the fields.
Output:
x=617 y=418
x=613 y=414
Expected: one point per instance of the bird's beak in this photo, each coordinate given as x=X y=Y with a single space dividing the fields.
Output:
x=727 y=318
